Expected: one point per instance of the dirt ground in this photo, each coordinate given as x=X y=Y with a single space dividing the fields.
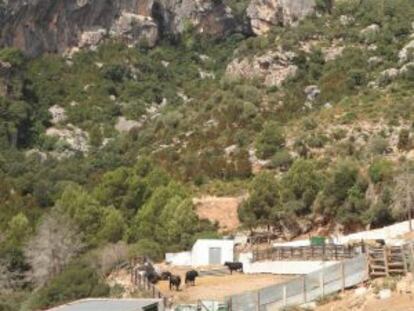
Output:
x=218 y=287
x=222 y=210
x=398 y=302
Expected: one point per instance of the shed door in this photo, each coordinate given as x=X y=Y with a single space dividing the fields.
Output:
x=214 y=257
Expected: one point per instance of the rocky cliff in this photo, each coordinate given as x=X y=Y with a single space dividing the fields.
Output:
x=39 y=26
x=267 y=13
x=50 y=26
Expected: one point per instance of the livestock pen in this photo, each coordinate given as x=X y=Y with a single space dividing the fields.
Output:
x=303 y=289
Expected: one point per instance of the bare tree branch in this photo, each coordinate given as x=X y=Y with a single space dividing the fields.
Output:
x=56 y=242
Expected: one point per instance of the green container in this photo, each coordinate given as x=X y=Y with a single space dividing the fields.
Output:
x=317 y=241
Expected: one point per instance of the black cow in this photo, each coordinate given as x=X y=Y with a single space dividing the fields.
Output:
x=234 y=266
x=153 y=277
x=190 y=277
x=175 y=281
x=165 y=275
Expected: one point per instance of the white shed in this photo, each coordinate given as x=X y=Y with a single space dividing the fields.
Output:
x=204 y=252
x=212 y=252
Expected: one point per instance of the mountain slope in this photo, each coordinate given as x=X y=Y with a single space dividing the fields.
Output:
x=312 y=119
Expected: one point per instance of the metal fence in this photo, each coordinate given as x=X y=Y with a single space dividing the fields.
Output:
x=307 y=288
x=311 y=252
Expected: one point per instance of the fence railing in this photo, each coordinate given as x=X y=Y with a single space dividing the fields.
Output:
x=312 y=252
x=329 y=279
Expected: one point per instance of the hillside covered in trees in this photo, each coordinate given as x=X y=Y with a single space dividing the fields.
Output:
x=103 y=146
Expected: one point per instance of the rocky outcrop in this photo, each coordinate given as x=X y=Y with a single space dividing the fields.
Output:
x=39 y=26
x=267 y=13
x=272 y=68
x=72 y=136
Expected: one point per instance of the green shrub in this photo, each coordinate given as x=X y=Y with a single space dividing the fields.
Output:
x=270 y=140
x=378 y=145
x=380 y=170
x=79 y=280
x=147 y=248
x=12 y=55
x=282 y=159
x=310 y=124
x=339 y=134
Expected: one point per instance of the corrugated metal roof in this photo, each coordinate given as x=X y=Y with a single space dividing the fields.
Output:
x=107 y=305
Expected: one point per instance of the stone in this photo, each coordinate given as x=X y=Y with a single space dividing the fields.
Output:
x=407 y=52
x=272 y=68
x=206 y=75
x=40 y=155
x=384 y=294
x=371 y=29
x=230 y=150
x=346 y=20
x=125 y=126
x=327 y=106
x=388 y=76
x=73 y=136
x=92 y=38
x=312 y=92
x=58 y=114
x=265 y=14
x=407 y=68
x=374 y=61
x=135 y=28
x=333 y=52
x=361 y=291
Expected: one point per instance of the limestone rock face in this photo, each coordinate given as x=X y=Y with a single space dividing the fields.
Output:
x=46 y=26
x=206 y=16
x=267 y=13
x=273 y=68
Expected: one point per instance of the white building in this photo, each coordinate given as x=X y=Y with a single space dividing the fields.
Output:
x=204 y=252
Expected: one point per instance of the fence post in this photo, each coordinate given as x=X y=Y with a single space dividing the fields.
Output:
x=342 y=276
x=304 y=288
x=258 y=300
x=284 y=296
x=321 y=281
x=411 y=257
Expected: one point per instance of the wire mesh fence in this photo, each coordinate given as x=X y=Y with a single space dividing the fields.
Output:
x=327 y=280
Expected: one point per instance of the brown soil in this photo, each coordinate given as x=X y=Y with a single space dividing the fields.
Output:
x=222 y=210
x=398 y=302
x=217 y=287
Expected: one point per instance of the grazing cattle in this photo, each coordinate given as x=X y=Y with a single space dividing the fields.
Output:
x=165 y=275
x=234 y=266
x=175 y=281
x=190 y=277
x=153 y=277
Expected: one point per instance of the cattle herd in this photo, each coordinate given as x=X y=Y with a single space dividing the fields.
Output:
x=153 y=276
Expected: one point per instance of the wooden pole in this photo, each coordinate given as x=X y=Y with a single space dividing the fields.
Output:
x=284 y=296
x=385 y=249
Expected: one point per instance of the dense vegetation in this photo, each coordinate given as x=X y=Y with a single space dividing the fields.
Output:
x=338 y=161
